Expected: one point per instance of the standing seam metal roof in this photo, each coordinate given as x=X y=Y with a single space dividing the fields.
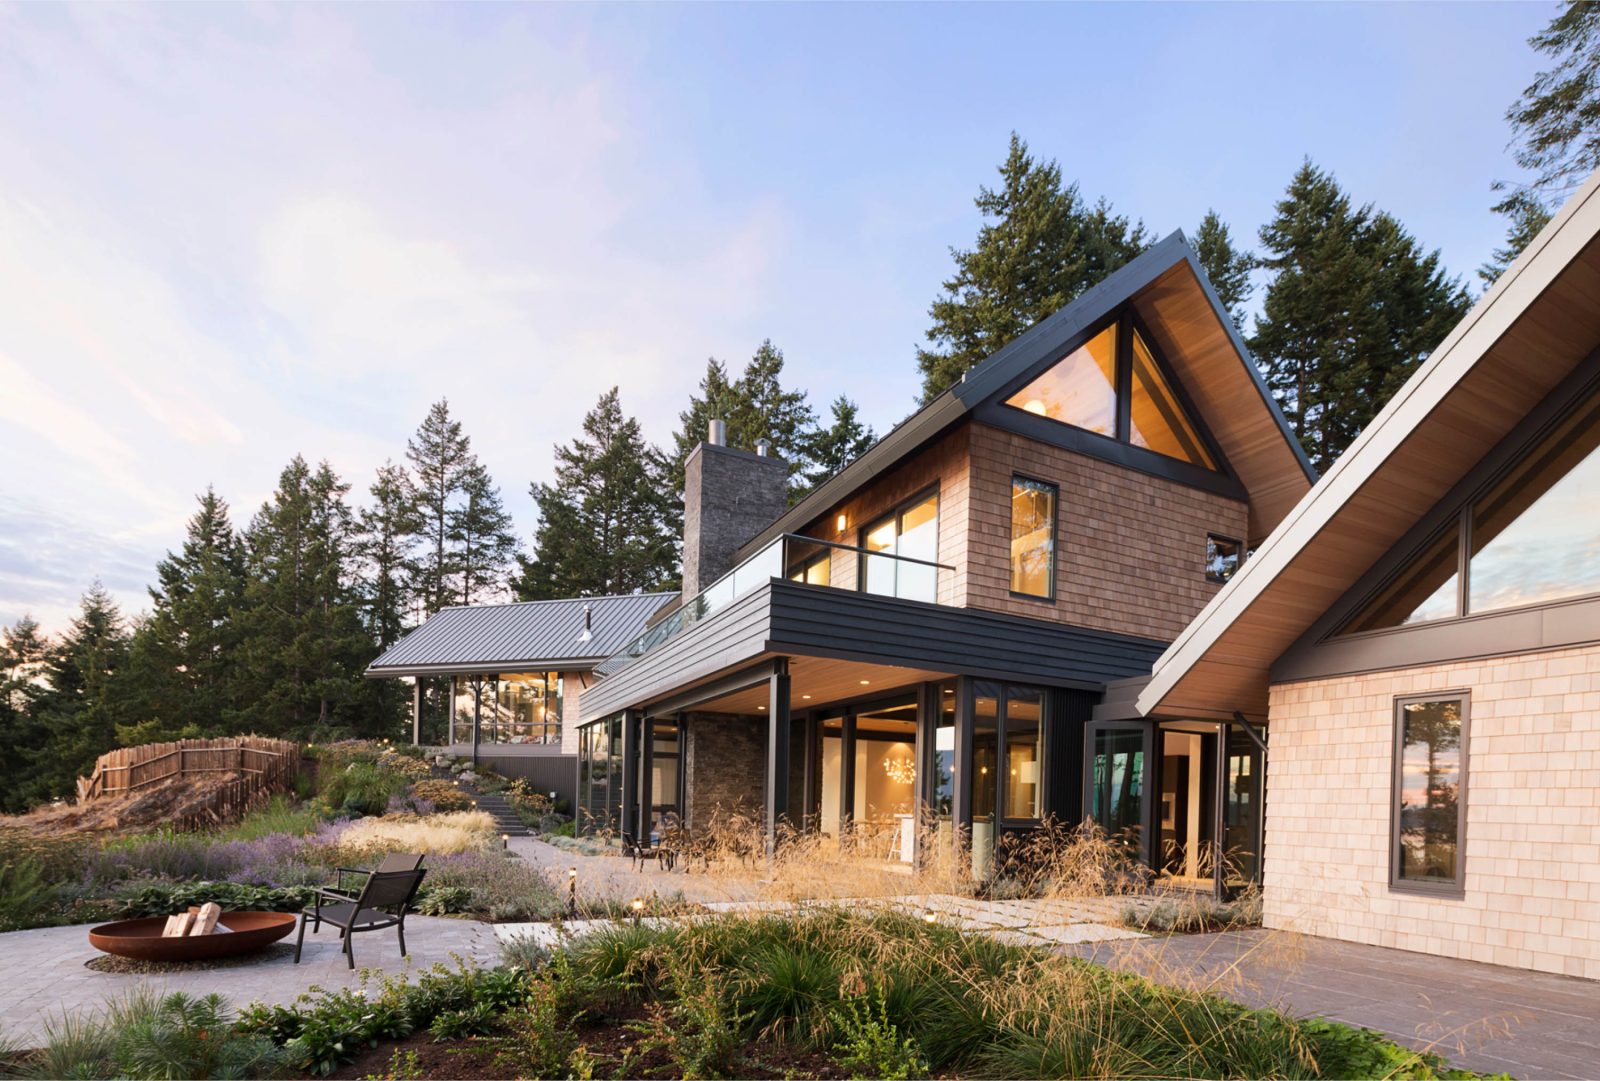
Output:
x=524 y=633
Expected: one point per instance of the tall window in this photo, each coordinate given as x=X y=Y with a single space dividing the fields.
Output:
x=1114 y=385
x=1033 y=537
x=912 y=531
x=1533 y=538
x=1430 y=772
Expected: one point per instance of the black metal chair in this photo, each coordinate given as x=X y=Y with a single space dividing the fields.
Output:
x=639 y=852
x=382 y=903
x=394 y=861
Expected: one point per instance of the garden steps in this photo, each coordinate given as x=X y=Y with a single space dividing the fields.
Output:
x=506 y=819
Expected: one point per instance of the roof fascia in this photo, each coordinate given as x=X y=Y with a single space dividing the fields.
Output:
x=1561 y=242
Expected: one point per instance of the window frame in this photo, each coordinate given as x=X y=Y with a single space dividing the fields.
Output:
x=1457 y=888
x=895 y=512
x=1055 y=539
x=1238 y=544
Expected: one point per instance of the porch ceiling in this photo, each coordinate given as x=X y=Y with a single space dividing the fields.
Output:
x=818 y=681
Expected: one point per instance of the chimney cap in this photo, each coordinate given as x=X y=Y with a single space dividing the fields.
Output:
x=716 y=432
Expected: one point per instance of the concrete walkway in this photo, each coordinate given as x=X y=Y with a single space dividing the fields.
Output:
x=1479 y=1017
x=42 y=972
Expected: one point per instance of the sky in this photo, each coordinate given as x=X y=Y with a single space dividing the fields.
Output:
x=234 y=233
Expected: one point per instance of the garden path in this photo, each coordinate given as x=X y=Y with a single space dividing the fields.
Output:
x=1479 y=1017
x=612 y=877
x=43 y=973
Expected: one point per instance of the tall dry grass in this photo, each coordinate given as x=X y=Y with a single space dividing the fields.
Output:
x=436 y=834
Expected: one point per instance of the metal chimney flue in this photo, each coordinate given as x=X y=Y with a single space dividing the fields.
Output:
x=586 y=634
x=764 y=447
x=717 y=433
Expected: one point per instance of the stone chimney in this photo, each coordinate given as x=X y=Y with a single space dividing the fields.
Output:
x=728 y=497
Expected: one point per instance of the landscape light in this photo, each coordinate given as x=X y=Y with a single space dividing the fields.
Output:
x=929 y=917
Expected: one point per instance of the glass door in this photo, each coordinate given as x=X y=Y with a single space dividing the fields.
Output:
x=1241 y=811
x=1116 y=784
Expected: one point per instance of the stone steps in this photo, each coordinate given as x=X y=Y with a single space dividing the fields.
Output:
x=506 y=819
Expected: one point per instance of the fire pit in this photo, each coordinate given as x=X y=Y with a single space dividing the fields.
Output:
x=141 y=939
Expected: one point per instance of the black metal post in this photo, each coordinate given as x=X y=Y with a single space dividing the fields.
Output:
x=778 y=735
x=847 y=776
x=808 y=795
x=629 y=811
x=647 y=781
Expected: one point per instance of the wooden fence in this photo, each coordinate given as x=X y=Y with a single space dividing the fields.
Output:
x=266 y=765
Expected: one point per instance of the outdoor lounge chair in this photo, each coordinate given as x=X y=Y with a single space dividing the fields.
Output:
x=382 y=903
x=394 y=861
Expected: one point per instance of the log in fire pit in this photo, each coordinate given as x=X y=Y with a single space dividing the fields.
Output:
x=142 y=939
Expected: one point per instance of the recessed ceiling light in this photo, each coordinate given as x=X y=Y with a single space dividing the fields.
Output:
x=761 y=707
x=805 y=696
x=866 y=683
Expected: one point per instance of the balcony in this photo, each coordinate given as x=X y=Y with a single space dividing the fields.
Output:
x=799 y=559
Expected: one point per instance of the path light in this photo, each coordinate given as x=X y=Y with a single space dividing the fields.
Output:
x=505 y=840
x=638 y=907
x=572 y=893
x=929 y=918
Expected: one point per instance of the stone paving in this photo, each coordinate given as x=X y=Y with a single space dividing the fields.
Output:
x=43 y=973
x=1478 y=1016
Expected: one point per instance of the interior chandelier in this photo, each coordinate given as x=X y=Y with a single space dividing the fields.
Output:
x=900 y=770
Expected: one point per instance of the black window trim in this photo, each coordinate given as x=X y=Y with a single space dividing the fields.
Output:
x=1055 y=538
x=1456 y=889
x=1212 y=535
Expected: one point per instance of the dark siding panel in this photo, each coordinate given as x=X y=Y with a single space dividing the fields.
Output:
x=545 y=772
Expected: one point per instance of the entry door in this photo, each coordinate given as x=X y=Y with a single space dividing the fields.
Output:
x=1118 y=768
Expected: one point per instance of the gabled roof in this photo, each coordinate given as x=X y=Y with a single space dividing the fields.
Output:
x=529 y=635
x=1168 y=289
x=1528 y=333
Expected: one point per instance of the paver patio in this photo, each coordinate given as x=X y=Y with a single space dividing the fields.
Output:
x=1478 y=1016
x=42 y=972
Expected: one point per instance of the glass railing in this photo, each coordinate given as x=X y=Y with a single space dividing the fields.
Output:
x=800 y=559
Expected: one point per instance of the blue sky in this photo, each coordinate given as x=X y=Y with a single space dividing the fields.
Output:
x=231 y=233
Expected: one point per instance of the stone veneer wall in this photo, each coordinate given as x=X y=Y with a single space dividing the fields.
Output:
x=1533 y=813
x=724 y=766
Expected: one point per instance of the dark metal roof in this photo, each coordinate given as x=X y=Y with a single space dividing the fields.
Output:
x=533 y=634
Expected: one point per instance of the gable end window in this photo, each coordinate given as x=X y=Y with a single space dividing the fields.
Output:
x=1428 y=838
x=1117 y=386
x=1532 y=537
x=1033 y=538
x=1222 y=557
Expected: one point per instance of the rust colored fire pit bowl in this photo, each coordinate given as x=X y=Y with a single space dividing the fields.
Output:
x=141 y=939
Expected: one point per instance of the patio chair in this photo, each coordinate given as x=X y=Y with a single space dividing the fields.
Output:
x=382 y=903
x=639 y=852
x=394 y=861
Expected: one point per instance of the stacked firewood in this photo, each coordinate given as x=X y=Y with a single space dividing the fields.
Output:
x=200 y=920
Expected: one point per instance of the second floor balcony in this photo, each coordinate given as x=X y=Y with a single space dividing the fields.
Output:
x=806 y=560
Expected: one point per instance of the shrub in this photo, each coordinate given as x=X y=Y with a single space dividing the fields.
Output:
x=407 y=766
x=25 y=896
x=444 y=900
x=869 y=1045
x=167 y=898
x=360 y=788
x=444 y=795
x=436 y=834
x=501 y=885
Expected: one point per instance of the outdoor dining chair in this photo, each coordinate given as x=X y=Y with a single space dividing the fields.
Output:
x=382 y=903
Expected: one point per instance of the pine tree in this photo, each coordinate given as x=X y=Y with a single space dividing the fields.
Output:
x=1555 y=126
x=763 y=409
x=303 y=647
x=386 y=538
x=1354 y=306
x=1227 y=267
x=841 y=443
x=80 y=708
x=23 y=650
x=1040 y=246
x=1528 y=217
x=481 y=536
x=440 y=456
x=181 y=675
x=602 y=521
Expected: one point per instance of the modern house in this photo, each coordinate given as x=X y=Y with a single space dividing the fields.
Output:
x=930 y=633
x=513 y=675
x=1421 y=637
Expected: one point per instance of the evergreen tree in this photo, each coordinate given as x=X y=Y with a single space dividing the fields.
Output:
x=1227 y=267
x=386 y=538
x=1555 y=126
x=1354 y=306
x=80 y=707
x=1040 y=246
x=303 y=647
x=1528 y=216
x=755 y=406
x=602 y=523
x=483 y=544
x=181 y=680
x=22 y=654
x=440 y=455
x=841 y=443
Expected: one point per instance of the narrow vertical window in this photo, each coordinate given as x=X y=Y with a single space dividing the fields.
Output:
x=1430 y=773
x=1033 y=537
x=1222 y=558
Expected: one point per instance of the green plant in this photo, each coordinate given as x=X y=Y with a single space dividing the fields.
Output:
x=403 y=1066
x=444 y=900
x=444 y=795
x=282 y=815
x=166 y=898
x=24 y=894
x=540 y=1043
x=699 y=1031
x=870 y=1046
x=475 y=1020
x=360 y=788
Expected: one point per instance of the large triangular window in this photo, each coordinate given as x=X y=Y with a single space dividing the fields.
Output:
x=1114 y=385
x=1533 y=537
